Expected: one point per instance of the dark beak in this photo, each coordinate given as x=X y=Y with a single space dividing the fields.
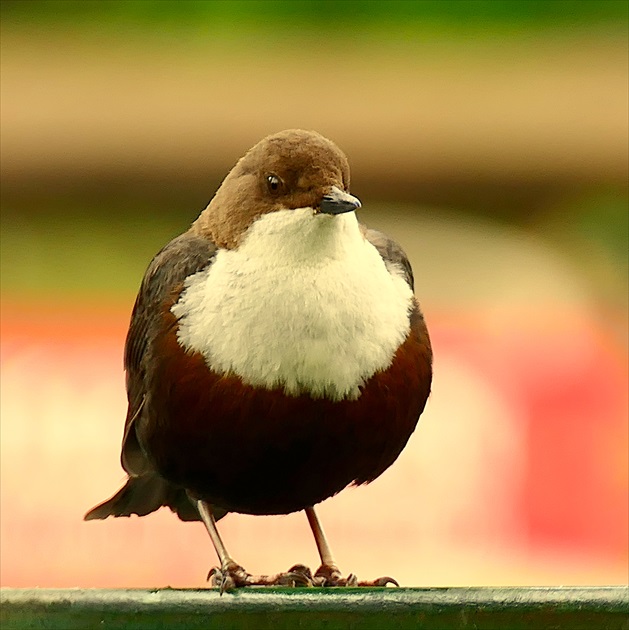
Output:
x=338 y=201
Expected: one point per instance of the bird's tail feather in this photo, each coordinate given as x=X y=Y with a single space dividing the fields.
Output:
x=143 y=495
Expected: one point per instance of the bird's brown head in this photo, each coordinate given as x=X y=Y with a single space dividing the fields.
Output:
x=284 y=171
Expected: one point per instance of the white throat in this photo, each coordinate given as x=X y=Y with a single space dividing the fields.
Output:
x=305 y=304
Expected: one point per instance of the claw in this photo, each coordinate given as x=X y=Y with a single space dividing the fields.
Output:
x=352 y=580
x=382 y=581
x=228 y=577
x=329 y=575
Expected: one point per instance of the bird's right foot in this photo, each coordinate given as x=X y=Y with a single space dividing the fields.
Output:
x=232 y=576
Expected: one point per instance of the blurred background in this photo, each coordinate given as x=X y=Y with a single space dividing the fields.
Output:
x=488 y=136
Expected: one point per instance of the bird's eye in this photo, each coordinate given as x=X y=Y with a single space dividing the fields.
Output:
x=274 y=183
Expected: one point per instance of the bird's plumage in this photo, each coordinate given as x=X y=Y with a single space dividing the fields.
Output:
x=276 y=352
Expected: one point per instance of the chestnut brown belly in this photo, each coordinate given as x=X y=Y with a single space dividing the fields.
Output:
x=257 y=451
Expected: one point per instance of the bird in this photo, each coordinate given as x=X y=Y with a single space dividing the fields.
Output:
x=276 y=354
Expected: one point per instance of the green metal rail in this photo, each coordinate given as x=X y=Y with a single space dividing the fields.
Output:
x=570 y=608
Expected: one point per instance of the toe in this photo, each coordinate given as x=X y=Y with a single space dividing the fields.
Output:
x=382 y=581
x=300 y=574
x=329 y=575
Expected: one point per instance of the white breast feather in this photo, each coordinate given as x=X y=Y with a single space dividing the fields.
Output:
x=305 y=304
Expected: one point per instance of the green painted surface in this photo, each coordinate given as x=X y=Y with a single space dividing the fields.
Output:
x=570 y=608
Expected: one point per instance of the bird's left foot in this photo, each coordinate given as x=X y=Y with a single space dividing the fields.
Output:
x=329 y=575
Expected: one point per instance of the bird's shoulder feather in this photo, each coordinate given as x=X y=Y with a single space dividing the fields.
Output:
x=391 y=252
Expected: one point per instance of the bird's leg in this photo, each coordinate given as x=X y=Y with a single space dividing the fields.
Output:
x=328 y=573
x=231 y=575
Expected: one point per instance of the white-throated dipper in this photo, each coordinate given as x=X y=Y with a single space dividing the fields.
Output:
x=276 y=354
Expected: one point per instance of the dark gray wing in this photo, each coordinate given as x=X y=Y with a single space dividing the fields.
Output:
x=392 y=254
x=145 y=490
x=182 y=257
